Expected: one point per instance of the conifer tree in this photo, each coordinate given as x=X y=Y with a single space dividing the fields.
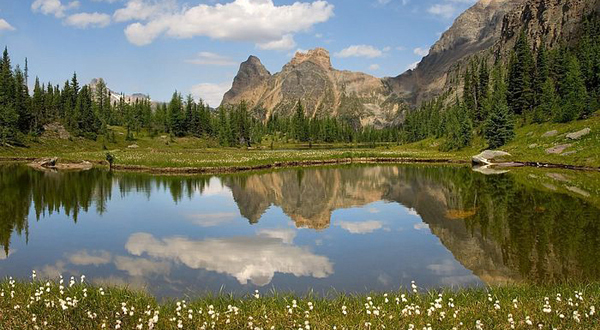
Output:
x=499 y=127
x=520 y=91
x=8 y=114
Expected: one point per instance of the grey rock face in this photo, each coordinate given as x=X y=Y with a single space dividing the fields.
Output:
x=251 y=73
x=323 y=91
x=579 y=134
x=488 y=156
x=556 y=150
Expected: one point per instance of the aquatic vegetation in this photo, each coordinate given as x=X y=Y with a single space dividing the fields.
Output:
x=75 y=304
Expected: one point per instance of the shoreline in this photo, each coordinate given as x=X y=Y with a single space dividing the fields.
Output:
x=226 y=169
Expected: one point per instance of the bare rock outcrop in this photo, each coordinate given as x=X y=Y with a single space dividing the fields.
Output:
x=323 y=91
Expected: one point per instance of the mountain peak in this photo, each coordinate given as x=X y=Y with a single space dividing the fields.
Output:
x=251 y=73
x=318 y=56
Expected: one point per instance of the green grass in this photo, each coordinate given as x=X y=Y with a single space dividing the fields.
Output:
x=529 y=145
x=50 y=305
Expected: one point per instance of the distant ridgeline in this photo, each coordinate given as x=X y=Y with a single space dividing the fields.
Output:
x=502 y=63
x=503 y=228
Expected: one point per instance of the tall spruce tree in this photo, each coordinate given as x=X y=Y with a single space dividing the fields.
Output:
x=521 y=70
x=499 y=127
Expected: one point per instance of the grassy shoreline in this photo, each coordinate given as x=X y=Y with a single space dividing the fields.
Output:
x=195 y=155
x=76 y=305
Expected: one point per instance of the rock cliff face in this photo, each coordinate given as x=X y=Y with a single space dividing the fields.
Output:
x=489 y=29
x=474 y=31
x=486 y=30
x=323 y=90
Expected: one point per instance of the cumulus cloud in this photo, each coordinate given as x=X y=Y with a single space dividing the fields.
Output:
x=285 y=43
x=421 y=226
x=286 y=235
x=211 y=93
x=444 y=10
x=360 y=51
x=421 y=51
x=5 y=26
x=211 y=219
x=248 y=259
x=258 y=21
x=413 y=65
x=85 y=20
x=53 y=7
x=208 y=58
x=364 y=227
x=143 y=10
x=85 y=258
x=374 y=67
x=139 y=267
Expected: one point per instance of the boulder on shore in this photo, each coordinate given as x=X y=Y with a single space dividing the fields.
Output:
x=487 y=157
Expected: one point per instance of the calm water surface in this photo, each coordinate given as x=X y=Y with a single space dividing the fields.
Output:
x=352 y=229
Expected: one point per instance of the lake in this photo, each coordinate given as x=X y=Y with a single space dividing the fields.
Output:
x=349 y=229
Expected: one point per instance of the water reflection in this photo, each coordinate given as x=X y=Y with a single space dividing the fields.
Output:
x=370 y=227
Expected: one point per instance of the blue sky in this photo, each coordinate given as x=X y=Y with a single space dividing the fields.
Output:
x=195 y=46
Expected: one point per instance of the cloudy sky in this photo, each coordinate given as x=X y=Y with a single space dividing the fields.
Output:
x=195 y=46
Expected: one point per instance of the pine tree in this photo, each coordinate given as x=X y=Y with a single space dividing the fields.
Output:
x=549 y=102
x=542 y=72
x=573 y=93
x=37 y=108
x=499 y=127
x=176 y=115
x=520 y=91
x=22 y=102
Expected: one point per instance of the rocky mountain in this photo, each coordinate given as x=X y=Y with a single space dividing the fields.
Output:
x=323 y=90
x=487 y=30
x=116 y=97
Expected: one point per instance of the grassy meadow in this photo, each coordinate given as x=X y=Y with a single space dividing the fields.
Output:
x=74 y=304
x=162 y=151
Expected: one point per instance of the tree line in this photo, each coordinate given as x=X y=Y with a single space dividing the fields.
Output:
x=531 y=86
x=90 y=110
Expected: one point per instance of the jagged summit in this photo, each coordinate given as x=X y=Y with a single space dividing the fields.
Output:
x=324 y=91
x=318 y=56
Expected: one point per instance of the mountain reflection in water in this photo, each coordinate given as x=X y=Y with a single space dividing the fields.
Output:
x=365 y=228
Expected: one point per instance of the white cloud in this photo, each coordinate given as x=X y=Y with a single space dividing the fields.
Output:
x=211 y=93
x=360 y=51
x=286 y=235
x=4 y=256
x=53 y=7
x=421 y=51
x=444 y=10
x=208 y=58
x=5 y=26
x=138 y=267
x=143 y=10
x=248 y=259
x=413 y=66
x=285 y=43
x=211 y=219
x=364 y=227
x=421 y=226
x=374 y=67
x=257 y=21
x=85 y=20
x=85 y=258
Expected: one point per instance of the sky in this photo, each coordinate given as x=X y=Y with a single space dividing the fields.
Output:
x=157 y=47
